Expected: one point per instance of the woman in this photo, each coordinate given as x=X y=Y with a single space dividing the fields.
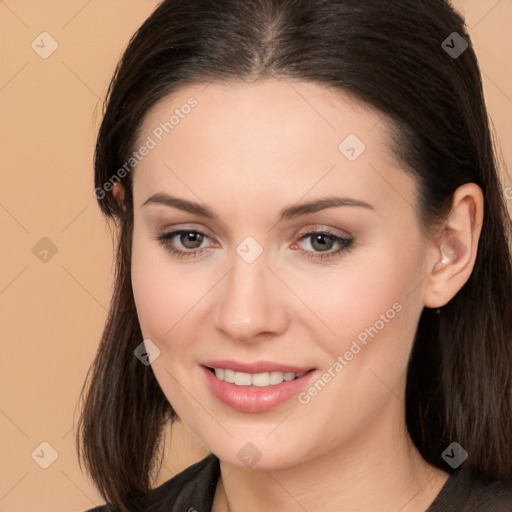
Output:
x=313 y=269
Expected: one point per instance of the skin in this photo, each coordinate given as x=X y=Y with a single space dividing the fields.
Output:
x=247 y=151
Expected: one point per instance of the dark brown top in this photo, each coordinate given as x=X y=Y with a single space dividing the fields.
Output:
x=193 y=490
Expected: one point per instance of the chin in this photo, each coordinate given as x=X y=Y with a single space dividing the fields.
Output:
x=261 y=455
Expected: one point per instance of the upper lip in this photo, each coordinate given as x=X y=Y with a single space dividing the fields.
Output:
x=256 y=366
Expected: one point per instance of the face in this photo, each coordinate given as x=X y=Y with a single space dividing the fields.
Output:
x=311 y=310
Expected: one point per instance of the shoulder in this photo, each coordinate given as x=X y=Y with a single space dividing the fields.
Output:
x=465 y=492
x=192 y=489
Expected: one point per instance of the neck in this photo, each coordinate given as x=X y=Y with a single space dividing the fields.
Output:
x=378 y=469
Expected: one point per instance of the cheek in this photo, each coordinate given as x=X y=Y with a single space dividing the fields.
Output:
x=369 y=311
x=154 y=288
x=374 y=315
x=168 y=296
x=148 y=291
x=357 y=294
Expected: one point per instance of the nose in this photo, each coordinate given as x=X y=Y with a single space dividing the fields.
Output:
x=251 y=302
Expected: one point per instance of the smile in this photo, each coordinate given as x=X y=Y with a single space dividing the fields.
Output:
x=255 y=379
x=247 y=387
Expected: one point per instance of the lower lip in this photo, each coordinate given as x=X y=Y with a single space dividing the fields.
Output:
x=254 y=398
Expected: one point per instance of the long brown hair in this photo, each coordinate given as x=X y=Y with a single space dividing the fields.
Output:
x=391 y=56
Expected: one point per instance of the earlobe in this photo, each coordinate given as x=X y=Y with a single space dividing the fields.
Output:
x=118 y=193
x=455 y=249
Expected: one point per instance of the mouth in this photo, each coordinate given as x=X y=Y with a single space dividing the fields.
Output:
x=255 y=387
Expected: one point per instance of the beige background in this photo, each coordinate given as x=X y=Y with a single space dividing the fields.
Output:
x=52 y=312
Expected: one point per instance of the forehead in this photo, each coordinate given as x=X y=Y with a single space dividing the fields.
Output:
x=261 y=137
x=259 y=111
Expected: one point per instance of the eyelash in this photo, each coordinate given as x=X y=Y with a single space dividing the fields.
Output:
x=345 y=244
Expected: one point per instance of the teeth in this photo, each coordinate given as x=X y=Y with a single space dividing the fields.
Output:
x=229 y=376
x=255 y=379
x=243 y=379
x=276 y=378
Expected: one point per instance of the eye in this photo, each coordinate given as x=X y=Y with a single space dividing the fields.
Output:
x=186 y=243
x=322 y=242
x=188 y=240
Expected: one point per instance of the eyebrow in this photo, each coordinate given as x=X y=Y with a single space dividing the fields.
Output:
x=288 y=213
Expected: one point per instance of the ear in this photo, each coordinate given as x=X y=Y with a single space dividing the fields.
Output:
x=118 y=193
x=452 y=253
